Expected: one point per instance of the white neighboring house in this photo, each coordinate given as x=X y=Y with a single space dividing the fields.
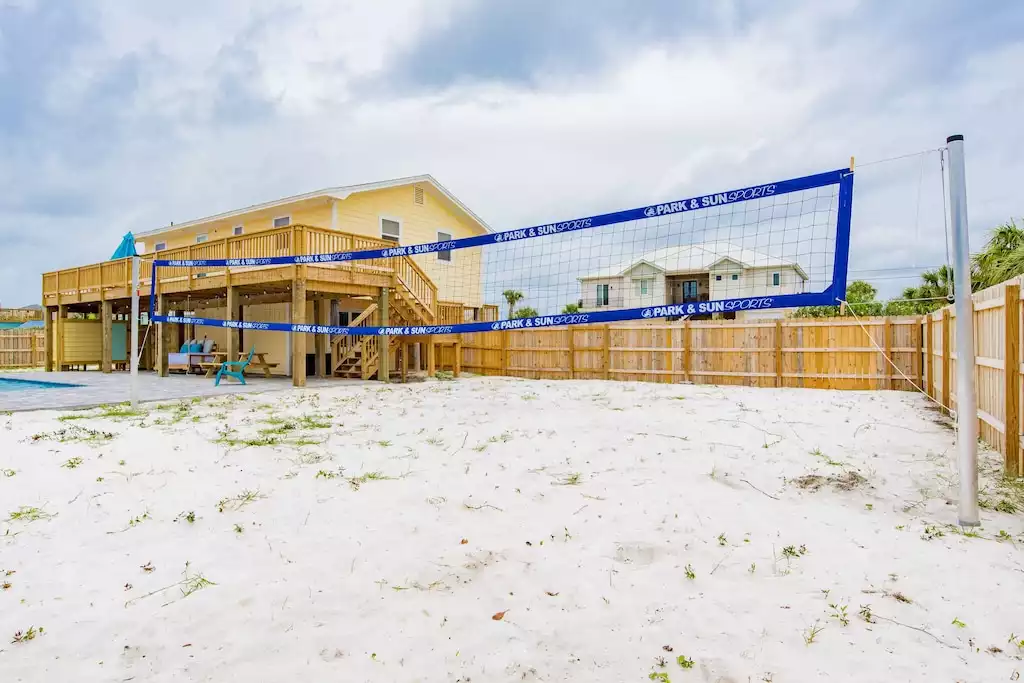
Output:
x=693 y=273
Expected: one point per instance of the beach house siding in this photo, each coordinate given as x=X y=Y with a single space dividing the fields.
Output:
x=457 y=279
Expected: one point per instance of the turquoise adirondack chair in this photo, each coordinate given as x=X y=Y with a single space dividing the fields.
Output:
x=225 y=368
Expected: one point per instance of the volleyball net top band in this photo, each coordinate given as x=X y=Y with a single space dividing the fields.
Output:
x=757 y=216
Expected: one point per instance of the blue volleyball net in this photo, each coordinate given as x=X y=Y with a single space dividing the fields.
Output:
x=742 y=252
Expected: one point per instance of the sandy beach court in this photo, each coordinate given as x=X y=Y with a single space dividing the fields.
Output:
x=485 y=530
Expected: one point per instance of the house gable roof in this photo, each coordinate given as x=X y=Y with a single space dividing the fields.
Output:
x=342 y=192
x=698 y=258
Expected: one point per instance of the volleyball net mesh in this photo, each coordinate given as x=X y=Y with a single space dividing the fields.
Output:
x=768 y=246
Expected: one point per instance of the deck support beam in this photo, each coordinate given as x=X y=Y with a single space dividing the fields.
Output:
x=321 y=309
x=233 y=311
x=384 y=359
x=163 y=338
x=62 y=314
x=299 y=318
x=107 y=321
x=48 y=312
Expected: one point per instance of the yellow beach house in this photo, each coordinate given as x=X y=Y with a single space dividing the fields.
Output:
x=425 y=289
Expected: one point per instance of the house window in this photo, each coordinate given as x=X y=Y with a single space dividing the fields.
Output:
x=718 y=278
x=445 y=255
x=237 y=230
x=775 y=279
x=643 y=287
x=689 y=290
x=202 y=237
x=282 y=221
x=602 y=295
x=735 y=277
x=390 y=229
x=160 y=246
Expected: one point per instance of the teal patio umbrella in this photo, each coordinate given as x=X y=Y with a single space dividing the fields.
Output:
x=126 y=248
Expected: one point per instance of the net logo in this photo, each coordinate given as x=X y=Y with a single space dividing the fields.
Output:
x=717 y=199
x=541 y=321
x=705 y=307
x=405 y=331
x=542 y=230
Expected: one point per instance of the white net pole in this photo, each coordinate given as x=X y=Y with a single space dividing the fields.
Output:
x=966 y=403
x=134 y=350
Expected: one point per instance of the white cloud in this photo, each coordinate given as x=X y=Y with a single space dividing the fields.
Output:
x=785 y=96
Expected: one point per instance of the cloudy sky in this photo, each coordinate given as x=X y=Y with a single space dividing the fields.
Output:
x=118 y=115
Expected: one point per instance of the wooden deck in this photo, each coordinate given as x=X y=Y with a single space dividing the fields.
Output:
x=103 y=287
x=111 y=280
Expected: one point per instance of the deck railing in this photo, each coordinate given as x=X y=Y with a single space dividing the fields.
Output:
x=291 y=241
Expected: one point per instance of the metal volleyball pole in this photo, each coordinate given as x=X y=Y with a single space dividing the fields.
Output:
x=966 y=401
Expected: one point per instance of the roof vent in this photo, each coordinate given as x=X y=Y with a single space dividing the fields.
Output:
x=418 y=195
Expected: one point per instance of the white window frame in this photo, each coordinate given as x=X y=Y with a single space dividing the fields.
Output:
x=641 y=282
x=160 y=246
x=380 y=227
x=202 y=237
x=776 y=279
x=451 y=253
x=237 y=230
x=274 y=225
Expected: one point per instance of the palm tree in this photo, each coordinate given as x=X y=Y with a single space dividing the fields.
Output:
x=526 y=312
x=1001 y=259
x=571 y=308
x=512 y=296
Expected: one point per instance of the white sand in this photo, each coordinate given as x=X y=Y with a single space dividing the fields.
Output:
x=326 y=582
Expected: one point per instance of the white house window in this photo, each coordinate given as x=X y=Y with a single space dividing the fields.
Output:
x=602 y=295
x=735 y=277
x=282 y=221
x=160 y=246
x=237 y=230
x=643 y=287
x=390 y=229
x=202 y=237
x=776 y=279
x=445 y=255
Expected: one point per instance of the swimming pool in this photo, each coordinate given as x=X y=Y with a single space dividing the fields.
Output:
x=7 y=384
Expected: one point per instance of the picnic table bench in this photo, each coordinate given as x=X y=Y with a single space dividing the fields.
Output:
x=259 y=360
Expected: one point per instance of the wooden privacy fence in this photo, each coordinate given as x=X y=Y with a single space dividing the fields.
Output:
x=21 y=348
x=814 y=353
x=997 y=350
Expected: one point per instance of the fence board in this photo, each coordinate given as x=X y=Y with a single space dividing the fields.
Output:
x=22 y=348
x=835 y=354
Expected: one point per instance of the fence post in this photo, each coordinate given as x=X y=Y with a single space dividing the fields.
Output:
x=686 y=351
x=32 y=349
x=929 y=358
x=504 y=353
x=1011 y=379
x=778 y=353
x=607 y=352
x=945 y=360
x=888 y=360
x=572 y=351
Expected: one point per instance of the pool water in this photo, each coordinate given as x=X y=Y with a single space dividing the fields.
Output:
x=26 y=384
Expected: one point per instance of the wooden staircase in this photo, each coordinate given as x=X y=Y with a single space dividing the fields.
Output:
x=412 y=302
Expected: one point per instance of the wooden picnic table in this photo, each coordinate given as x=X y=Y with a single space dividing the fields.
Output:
x=259 y=360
